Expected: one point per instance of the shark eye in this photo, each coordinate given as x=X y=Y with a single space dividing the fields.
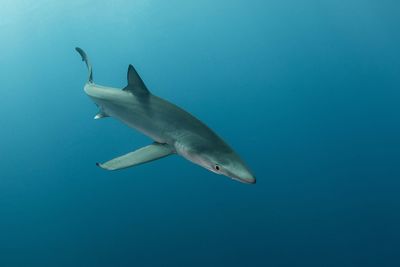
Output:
x=216 y=167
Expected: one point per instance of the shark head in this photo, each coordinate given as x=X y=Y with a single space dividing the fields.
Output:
x=220 y=161
x=228 y=164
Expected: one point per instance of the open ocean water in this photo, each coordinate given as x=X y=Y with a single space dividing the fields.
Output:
x=308 y=93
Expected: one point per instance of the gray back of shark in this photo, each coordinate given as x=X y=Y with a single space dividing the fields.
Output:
x=173 y=130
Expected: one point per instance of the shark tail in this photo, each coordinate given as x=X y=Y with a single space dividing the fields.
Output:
x=86 y=59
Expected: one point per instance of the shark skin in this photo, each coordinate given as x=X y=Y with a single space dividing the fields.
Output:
x=173 y=130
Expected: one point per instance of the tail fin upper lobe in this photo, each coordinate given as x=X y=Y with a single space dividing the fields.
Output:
x=86 y=59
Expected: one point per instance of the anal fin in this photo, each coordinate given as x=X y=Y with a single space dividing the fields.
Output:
x=101 y=115
x=140 y=156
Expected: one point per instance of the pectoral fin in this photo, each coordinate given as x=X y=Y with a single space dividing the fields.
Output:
x=140 y=156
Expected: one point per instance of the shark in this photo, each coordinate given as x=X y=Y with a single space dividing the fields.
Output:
x=172 y=129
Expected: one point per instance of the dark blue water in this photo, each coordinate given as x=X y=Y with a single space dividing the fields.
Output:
x=306 y=91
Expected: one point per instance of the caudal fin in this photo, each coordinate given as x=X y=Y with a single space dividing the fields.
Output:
x=86 y=59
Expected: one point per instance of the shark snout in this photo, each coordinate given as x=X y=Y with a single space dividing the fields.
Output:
x=249 y=179
x=244 y=176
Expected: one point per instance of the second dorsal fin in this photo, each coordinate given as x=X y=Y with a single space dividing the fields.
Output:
x=135 y=83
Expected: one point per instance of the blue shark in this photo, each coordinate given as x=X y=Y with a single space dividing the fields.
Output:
x=172 y=129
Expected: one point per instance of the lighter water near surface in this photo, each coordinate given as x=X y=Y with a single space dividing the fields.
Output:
x=307 y=92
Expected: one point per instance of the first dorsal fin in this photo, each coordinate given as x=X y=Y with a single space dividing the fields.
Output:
x=135 y=83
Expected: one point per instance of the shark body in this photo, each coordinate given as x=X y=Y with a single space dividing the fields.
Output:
x=173 y=130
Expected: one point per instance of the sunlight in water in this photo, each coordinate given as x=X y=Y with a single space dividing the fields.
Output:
x=26 y=11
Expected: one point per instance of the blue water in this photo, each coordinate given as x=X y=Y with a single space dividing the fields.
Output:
x=307 y=92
